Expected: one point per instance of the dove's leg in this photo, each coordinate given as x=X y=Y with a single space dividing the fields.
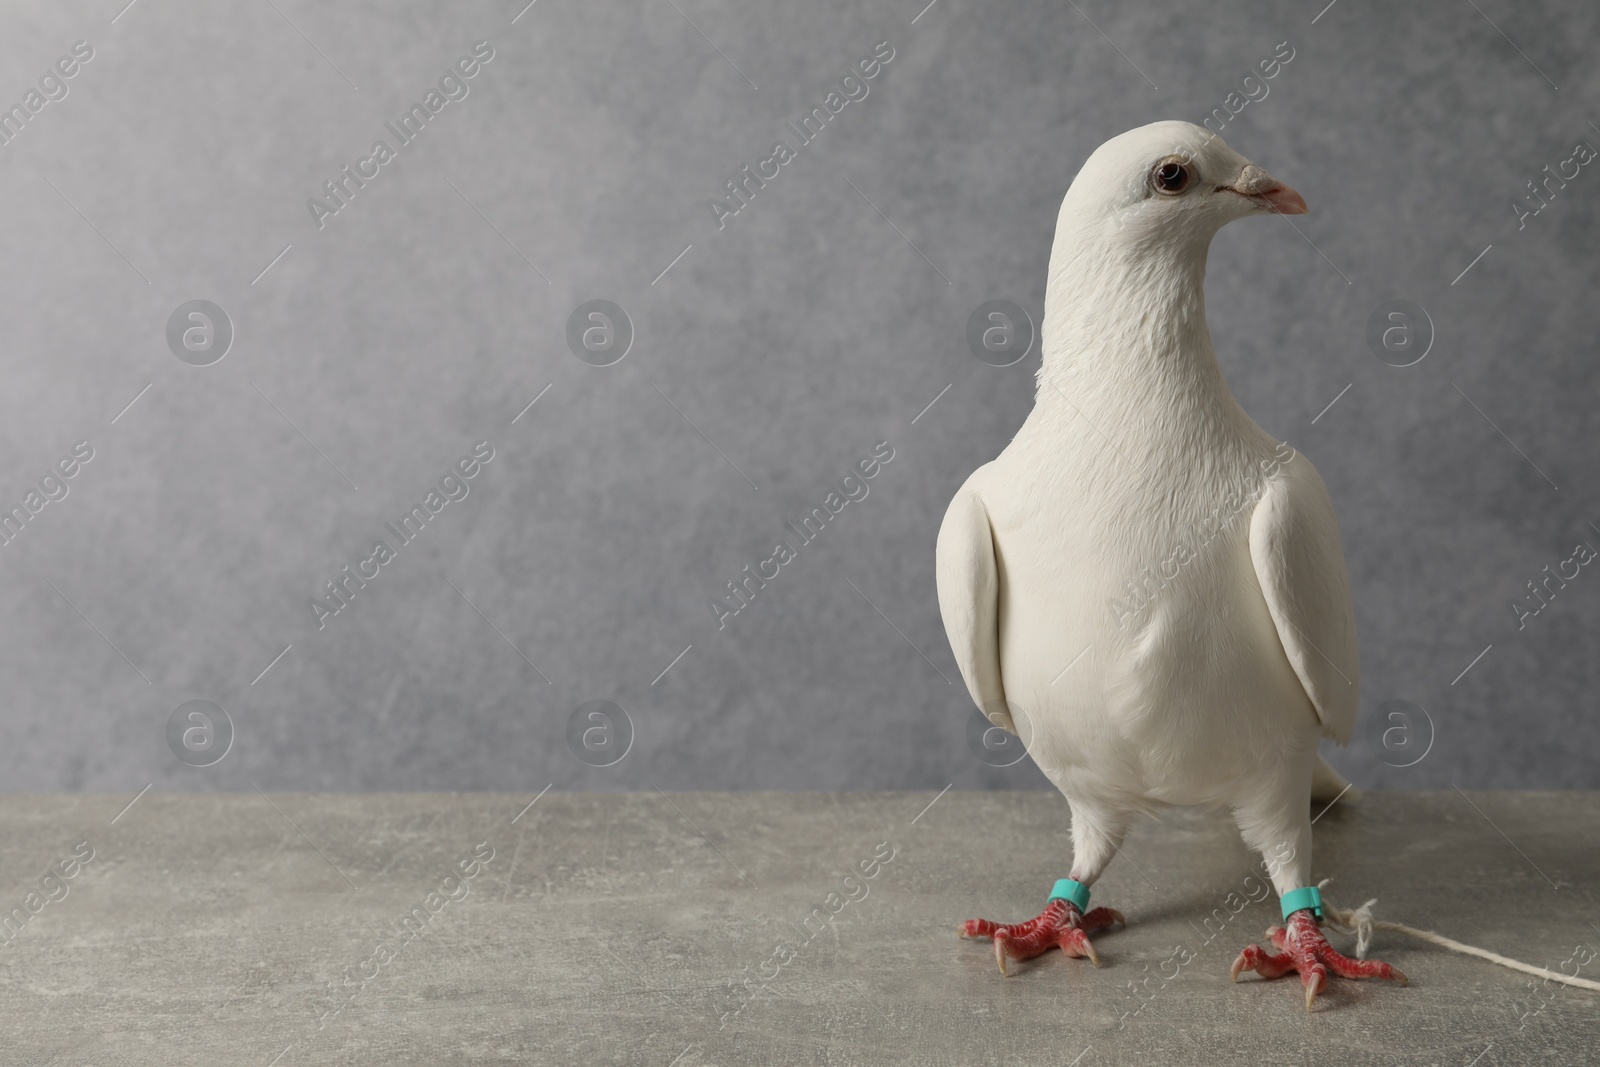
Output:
x=1278 y=824
x=1061 y=924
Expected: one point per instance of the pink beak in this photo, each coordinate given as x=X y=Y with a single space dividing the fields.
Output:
x=1259 y=185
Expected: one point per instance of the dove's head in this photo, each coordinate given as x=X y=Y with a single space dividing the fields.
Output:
x=1172 y=185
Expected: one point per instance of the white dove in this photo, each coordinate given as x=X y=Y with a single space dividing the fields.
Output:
x=1145 y=585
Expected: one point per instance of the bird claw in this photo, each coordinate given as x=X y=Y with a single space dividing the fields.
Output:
x=1314 y=986
x=1306 y=951
x=1076 y=943
x=1060 y=925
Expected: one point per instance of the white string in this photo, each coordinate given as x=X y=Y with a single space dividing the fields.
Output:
x=1362 y=924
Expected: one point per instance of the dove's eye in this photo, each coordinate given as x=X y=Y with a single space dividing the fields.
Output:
x=1170 y=177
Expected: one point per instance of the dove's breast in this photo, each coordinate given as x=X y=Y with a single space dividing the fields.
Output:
x=1135 y=642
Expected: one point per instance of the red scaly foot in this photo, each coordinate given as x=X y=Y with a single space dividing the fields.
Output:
x=1305 y=950
x=1060 y=924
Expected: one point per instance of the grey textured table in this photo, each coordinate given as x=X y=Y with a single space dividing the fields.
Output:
x=694 y=929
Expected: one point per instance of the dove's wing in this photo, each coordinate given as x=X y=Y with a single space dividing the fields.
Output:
x=1294 y=543
x=969 y=601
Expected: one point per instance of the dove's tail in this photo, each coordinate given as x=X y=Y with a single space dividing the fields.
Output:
x=1327 y=784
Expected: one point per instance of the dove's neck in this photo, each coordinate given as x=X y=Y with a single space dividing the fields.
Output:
x=1125 y=345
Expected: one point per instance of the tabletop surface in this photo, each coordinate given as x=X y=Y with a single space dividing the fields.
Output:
x=690 y=929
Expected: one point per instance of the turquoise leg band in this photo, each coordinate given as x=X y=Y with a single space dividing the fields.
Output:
x=1300 y=899
x=1074 y=892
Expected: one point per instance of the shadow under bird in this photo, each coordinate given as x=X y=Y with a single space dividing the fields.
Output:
x=1145 y=585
